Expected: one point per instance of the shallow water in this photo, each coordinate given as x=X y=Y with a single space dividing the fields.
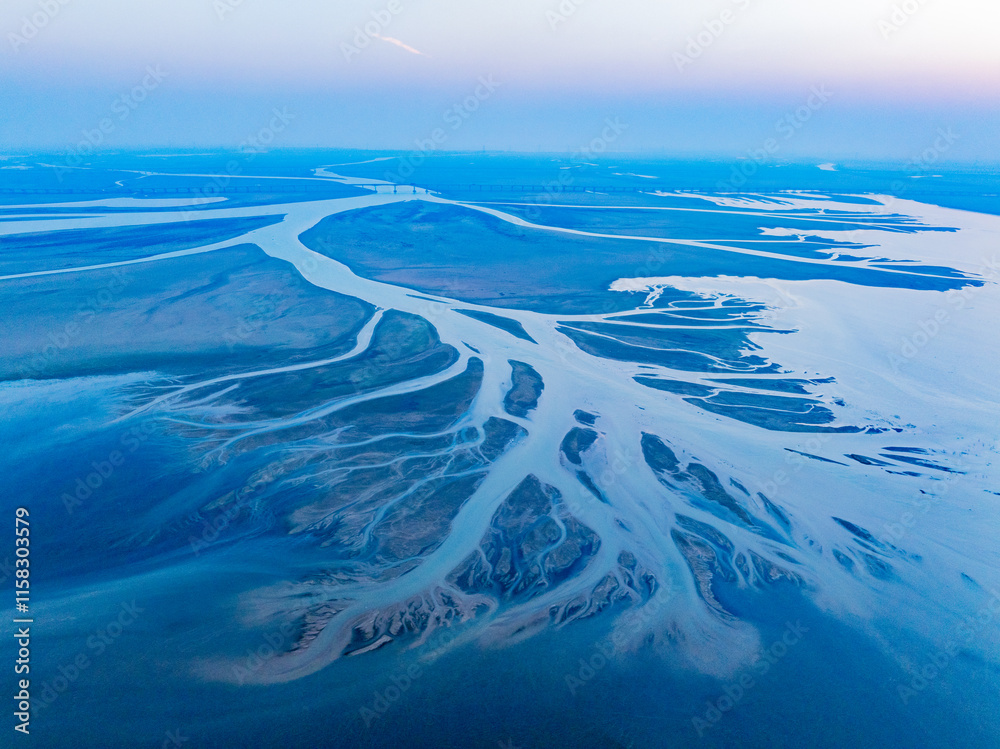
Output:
x=364 y=434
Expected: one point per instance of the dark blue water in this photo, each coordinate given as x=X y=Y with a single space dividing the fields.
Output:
x=172 y=571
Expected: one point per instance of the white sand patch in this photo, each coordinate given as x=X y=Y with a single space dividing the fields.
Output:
x=633 y=174
x=140 y=203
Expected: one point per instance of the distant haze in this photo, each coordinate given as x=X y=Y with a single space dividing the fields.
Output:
x=679 y=76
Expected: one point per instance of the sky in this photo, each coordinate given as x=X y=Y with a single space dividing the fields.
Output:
x=839 y=79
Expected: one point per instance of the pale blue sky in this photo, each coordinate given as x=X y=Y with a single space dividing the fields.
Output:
x=686 y=76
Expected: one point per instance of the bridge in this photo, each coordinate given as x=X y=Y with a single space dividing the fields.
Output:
x=214 y=190
x=328 y=186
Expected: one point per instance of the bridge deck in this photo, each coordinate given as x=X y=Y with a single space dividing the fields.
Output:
x=316 y=188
